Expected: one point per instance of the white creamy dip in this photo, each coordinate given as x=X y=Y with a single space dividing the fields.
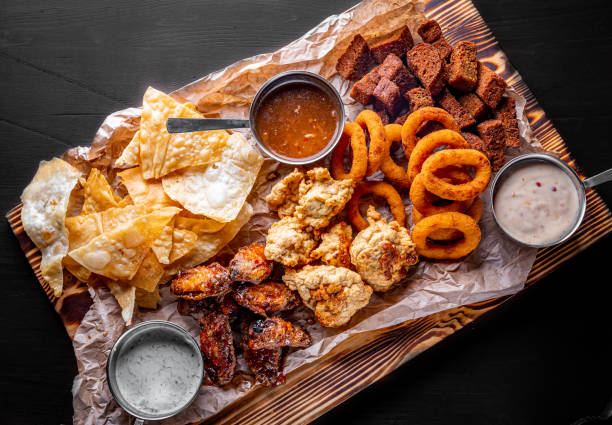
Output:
x=537 y=203
x=158 y=372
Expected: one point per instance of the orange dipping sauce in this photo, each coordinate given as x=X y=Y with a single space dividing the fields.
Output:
x=297 y=120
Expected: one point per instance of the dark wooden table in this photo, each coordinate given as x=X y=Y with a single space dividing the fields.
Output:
x=66 y=64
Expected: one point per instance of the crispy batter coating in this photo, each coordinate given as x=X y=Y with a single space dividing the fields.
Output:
x=321 y=197
x=216 y=344
x=250 y=264
x=266 y=365
x=382 y=252
x=276 y=332
x=289 y=243
x=334 y=247
x=202 y=282
x=266 y=298
x=334 y=293
x=283 y=197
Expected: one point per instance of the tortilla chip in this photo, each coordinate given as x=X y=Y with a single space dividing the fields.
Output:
x=118 y=254
x=45 y=202
x=145 y=192
x=146 y=299
x=99 y=196
x=162 y=152
x=148 y=274
x=218 y=190
x=198 y=225
x=125 y=296
x=183 y=241
x=130 y=156
x=77 y=270
x=124 y=202
x=163 y=244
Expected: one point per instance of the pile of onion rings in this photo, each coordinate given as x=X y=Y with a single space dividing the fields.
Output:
x=382 y=189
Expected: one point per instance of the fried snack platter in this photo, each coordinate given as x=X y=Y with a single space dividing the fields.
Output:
x=230 y=100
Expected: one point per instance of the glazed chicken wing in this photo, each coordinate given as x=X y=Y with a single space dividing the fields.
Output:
x=266 y=298
x=216 y=344
x=266 y=365
x=250 y=264
x=202 y=282
x=276 y=332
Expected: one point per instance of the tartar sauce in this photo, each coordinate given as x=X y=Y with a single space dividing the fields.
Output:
x=536 y=204
x=158 y=372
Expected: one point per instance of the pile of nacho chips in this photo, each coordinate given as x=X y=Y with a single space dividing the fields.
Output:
x=186 y=200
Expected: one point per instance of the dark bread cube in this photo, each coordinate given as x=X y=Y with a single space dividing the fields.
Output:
x=430 y=31
x=356 y=60
x=474 y=106
x=388 y=95
x=382 y=113
x=476 y=143
x=461 y=115
x=493 y=135
x=463 y=69
x=393 y=69
x=490 y=86
x=363 y=89
x=506 y=113
x=425 y=60
x=444 y=49
x=397 y=43
x=418 y=98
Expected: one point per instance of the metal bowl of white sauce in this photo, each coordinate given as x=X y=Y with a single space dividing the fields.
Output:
x=538 y=200
x=155 y=370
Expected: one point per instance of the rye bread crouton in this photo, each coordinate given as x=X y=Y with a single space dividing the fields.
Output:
x=393 y=69
x=461 y=115
x=363 y=89
x=506 y=113
x=474 y=106
x=490 y=86
x=492 y=134
x=476 y=143
x=418 y=98
x=430 y=31
x=397 y=43
x=388 y=95
x=426 y=63
x=356 y=60
x=463 y=69
x=444 y=49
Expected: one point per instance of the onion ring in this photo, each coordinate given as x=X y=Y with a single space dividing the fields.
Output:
x=354 y=134
x=392 y=171
x=381 y=189
x=422 y=202
x=378 y=144
x=413 y=124
x=431 y=142
x=449 y=220
x=475 y=211
x=463 y=157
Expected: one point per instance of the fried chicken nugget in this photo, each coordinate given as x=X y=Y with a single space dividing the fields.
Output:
x=289 y=243
x=276 y=332
x=202 y=282
x=283 y=197
x=266 y=365
x=266 y=298
x=250 y=264
x=334 y=247
x=217 y=346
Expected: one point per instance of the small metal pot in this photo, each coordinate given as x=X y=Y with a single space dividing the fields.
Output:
x=579 y=184
x=185 y=125
x=173 y=331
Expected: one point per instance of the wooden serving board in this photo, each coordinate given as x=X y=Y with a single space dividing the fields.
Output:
x=364 y=358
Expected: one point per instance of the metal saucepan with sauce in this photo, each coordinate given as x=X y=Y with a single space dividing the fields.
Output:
x=296 y=117
x=155 y=370
x=538 y=200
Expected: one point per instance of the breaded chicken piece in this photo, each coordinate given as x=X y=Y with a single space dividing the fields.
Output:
x=250 y=264
x=283 y=197
x=321 y=197
x=334 y=293
x=216 y=344
x=382 y=252
x=266 y=365
x=266 y=298
x=202 y=282
x=334 y=247
x=289 y=243
x=276 y=332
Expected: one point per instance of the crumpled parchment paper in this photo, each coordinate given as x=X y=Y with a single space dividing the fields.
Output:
x=498 y=267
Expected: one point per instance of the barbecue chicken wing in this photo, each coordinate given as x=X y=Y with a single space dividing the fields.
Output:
x=266 y=298
x=202 y=282
x=216 y=344
x=250 y=264
x=266 y=365
x=276 y=332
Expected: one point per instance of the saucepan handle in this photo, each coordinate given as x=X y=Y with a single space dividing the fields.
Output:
x=187 y=125
x=598 y=179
